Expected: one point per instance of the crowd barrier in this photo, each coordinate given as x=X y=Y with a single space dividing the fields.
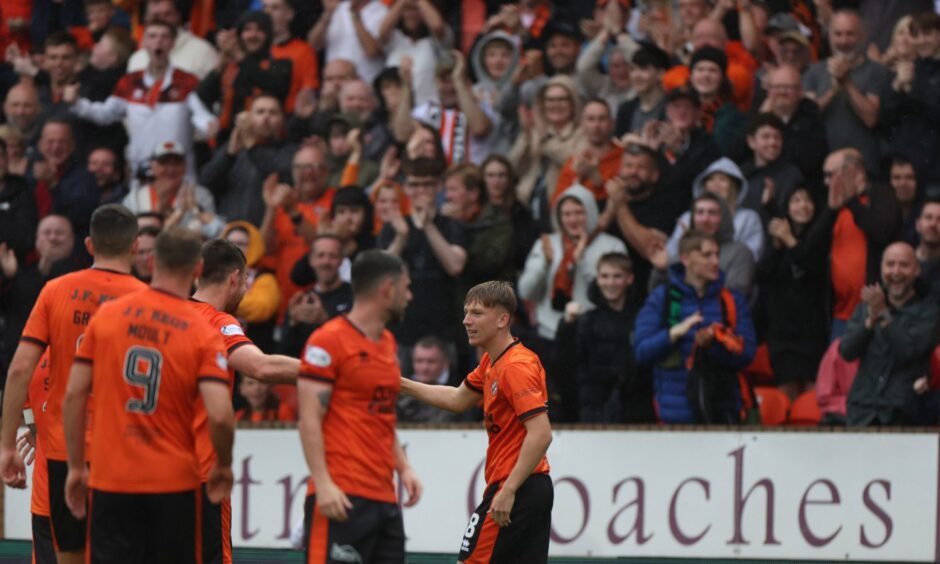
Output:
x=735 y=493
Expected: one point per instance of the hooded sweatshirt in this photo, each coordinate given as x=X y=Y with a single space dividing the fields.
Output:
x=748 y=227
x=263 y=296
x=490 y=91
x=234 y=84
x=537 y=278
x=734 y=259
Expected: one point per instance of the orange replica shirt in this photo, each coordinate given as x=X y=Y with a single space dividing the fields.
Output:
x=291 y=247
x=848 y=264
x=37 y=393
x=513 y=388
x=148 y=351
x=234 y=337
x=304 y=72
x=359 y=428
x=608 y=166
x=62 y=312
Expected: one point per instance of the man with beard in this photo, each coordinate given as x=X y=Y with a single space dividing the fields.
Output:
x=221 y=285
x=247 y=69
x=892 y=332
x=928 y=251
x=644 y=211
x=347 y=389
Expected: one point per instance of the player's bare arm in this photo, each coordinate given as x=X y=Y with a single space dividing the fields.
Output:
x=538 y=437
x=314 y=402
x=24 y=362
x=409 y=479
x=221 y=419
x=270 y=368
x=456 y=400
x=74 y=410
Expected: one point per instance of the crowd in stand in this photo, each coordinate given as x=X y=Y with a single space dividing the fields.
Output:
x=693 y=197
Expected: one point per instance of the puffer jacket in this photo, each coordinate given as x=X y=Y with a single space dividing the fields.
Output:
x=653 y=348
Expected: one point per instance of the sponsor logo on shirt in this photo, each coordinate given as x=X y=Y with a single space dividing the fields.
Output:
x=317 y=356
x=232 y=329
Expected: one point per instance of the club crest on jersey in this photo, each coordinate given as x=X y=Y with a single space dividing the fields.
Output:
x=232 y=329
x=317 y=357
x=221 y=361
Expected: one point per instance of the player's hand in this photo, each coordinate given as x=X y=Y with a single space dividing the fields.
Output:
x=332 y=502
x=26 y=447
x=12 y=469
x=219 y=483
x=412 y=485
x=502 y=507
x=76 y=491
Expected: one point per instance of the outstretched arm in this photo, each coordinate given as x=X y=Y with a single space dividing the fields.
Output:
x=448 y=398
x=270 y=368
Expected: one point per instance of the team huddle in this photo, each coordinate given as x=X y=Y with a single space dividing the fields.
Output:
x=126 y=389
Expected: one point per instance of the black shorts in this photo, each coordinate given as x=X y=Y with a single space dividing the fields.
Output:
x=525 y=539
x=216 y=530
x=145 y=528
x=43 y=549
x=373 y=533
x=68 y=533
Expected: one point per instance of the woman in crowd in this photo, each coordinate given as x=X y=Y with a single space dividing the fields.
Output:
x=549 y=134
x=792 y=277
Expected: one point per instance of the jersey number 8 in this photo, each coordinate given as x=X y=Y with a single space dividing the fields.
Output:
x=142 y=366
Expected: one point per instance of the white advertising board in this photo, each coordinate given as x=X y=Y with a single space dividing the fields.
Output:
x=838 y=496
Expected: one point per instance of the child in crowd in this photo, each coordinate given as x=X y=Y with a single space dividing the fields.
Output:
x=597 y=346
x=263 y=405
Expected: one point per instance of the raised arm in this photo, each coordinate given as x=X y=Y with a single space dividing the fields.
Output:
x=480 y=123
x=271 y=368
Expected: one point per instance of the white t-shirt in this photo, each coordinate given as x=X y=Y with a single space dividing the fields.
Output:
x=423 y=53
x=342 y=42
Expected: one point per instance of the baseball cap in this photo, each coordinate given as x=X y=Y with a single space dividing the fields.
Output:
x=168 y=149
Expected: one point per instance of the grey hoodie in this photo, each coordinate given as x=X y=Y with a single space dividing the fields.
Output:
x=734 y=258
x=538 y=276
x=748 y=227
x=490 y=91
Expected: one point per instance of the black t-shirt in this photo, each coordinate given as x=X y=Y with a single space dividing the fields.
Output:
x=431 y=311
x=660 y=210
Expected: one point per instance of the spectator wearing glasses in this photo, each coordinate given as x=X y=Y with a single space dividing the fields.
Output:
x=804 y=142
x=433 y=247
x=293 y=211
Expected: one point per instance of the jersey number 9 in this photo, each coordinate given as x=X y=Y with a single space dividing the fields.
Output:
x=142 y=366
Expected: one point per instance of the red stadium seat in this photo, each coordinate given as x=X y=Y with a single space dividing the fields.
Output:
x=773 y=404
x=805 y=410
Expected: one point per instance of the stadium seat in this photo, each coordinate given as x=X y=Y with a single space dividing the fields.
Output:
x=805 y=410
x=759 y=372
x=773 y=404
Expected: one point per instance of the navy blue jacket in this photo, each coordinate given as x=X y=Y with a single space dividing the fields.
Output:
x=653 y=348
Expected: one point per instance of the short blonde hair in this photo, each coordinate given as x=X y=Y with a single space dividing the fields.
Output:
x=495 y=293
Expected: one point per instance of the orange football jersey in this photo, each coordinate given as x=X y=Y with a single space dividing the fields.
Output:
x=148 y=352
x=513 y=388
